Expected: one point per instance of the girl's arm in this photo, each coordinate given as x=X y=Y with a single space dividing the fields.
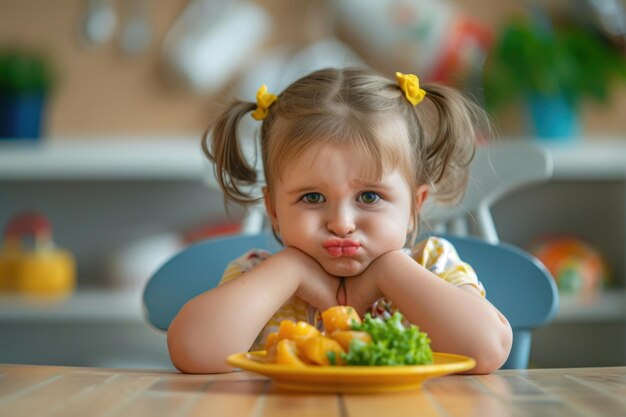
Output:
x=228 y=318
x=457 y=319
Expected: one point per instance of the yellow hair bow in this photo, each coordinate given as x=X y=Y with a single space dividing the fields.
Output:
x=410 y=85
x=263 y=102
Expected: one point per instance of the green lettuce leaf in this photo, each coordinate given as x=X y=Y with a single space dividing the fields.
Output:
x=392 y=344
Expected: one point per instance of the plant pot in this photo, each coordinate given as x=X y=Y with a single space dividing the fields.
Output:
x=21 y=115
x=554 y=118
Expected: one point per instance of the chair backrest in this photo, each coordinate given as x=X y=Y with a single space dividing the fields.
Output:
x=517 y=284
x=192 y=271
x=495 y=171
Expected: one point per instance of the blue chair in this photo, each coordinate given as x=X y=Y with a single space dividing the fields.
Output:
x=516 y=283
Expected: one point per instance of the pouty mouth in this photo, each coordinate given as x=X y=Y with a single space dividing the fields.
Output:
x=341 y=247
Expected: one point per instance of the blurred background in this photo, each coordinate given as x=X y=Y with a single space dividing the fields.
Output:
x=103 y=104
x=147 y=67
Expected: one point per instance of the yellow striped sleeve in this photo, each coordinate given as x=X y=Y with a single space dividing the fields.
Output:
x=441 y=258
x=233 y=270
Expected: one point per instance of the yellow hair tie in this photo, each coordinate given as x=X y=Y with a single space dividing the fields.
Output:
x=410 y=85
x=263 y=102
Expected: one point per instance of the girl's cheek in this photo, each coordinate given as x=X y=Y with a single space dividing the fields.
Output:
x=395 y=231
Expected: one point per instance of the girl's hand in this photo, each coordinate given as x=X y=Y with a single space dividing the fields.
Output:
x=361 y=291
x=317 y=287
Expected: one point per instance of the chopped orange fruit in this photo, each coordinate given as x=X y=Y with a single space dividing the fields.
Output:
x=302 y=344
x=339 y=318
x=344 y=337
x=271 y=340
x=296 y=331
x=270 y=354
x=287 y=353
x=317 y=350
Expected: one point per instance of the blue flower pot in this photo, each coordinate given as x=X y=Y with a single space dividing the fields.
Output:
x=554 y=118
x=21 y=116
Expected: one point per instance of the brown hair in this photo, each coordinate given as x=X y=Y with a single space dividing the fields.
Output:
x=357 y=107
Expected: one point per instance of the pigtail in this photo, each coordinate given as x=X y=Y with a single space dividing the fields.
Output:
x=451 y=147
x=222 y=146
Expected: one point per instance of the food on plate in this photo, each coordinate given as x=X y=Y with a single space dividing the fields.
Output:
x=296 y=331
x=393 y=343
x=321 y=350
x=339 y=318
x=349 y=341
x=345 y=337
x=286 y=353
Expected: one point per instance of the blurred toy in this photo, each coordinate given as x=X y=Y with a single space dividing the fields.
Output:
x=211 y=230
x=132 y=264
x=576 y=266
x=44 y=269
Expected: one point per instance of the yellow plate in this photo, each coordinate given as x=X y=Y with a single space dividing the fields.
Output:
x=351 y=379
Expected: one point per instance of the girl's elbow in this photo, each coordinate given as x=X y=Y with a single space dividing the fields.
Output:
x=179 y=355
x=188 y=367
x=187 y=359
x=494 y=353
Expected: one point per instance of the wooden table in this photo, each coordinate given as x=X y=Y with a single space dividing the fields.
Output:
x=27 y=390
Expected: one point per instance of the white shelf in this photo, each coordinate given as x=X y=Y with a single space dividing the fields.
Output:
x=607 y=305
x=104 y=158
x=93 y=305
x=180 y=157
x=592 y=159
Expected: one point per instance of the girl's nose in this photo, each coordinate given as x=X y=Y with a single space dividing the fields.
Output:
x=340 y=222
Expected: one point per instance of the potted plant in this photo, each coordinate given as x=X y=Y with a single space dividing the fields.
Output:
x=26 y=79
x=551 y=70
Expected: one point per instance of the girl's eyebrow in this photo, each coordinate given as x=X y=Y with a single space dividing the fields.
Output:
x=302 y=189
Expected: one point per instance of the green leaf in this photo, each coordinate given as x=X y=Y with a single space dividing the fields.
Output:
x=393 y=344
x=332 y=357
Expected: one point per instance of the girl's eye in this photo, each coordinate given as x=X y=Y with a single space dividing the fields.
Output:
x=368 y=197
x=313 y=198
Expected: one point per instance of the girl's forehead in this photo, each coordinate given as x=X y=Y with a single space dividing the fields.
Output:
x=374 y=148
x=328 y=157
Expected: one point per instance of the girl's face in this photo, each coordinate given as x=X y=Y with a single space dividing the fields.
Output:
x=323 y=205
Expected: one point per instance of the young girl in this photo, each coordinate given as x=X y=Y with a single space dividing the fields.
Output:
x=349 y=158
